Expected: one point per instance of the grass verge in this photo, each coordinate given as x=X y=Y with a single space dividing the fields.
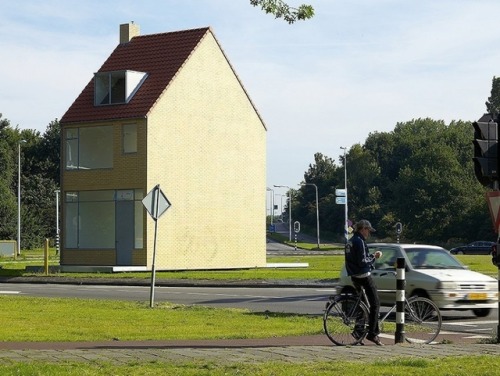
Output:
x=53 y=320
x=486 y=365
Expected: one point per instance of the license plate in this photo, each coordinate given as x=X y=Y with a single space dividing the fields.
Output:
x=477 y=296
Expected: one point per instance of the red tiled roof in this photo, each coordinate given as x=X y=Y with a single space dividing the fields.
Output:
x=159 y=55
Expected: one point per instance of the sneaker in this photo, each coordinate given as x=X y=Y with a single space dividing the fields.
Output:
x=374 y=339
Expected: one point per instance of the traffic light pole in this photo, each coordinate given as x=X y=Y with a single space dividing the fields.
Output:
x=486 y=168
x=498 y=278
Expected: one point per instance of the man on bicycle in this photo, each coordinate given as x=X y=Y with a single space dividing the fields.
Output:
x=359 y=263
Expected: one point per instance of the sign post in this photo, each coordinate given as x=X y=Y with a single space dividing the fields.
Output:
x=156 y=203
x=296 y=229
x=341 y=199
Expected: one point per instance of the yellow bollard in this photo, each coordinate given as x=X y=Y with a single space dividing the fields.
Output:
x=46 y=257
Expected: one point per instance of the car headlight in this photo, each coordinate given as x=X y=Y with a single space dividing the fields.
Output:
x=447 y=285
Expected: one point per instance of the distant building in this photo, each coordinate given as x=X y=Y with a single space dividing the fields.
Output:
x=164 y=109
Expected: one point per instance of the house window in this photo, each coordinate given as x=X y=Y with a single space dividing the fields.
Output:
x=116 y=87
x=129 y=132
x=90 y=218
x=89 y=148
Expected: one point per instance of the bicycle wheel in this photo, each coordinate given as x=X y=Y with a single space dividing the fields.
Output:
x=422 y=320
x=346 y=320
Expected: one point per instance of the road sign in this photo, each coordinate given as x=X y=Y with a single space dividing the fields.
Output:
x=340 y=192
x=296 y=227
x=340 y=200
x=156 y=203
x=493 y=198
x=399 y=228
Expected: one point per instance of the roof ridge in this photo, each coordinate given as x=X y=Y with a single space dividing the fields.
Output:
x=174 y=32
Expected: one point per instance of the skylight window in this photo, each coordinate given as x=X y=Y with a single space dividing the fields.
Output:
x=116 y=87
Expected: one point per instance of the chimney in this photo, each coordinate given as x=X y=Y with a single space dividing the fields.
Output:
x=128 y=31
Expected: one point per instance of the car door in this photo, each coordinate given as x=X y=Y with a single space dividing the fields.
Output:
x=384 y=273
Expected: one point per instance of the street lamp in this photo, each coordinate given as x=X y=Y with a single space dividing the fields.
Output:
x=281 y=204
x=19 y=196
x=317 y=209
x=289 y=210
x=346 y=225
x=272 y=203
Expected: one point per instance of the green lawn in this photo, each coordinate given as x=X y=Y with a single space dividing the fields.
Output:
x=324 y=268
x=487 y=365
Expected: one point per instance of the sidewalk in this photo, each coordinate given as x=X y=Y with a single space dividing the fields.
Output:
x=291 y=349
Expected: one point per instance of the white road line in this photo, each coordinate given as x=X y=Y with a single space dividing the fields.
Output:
x=471 y=323
x=9 y=292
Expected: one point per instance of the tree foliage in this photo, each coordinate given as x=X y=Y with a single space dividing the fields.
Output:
x=493 y=103
x=39 y=179
x=420 y=174
x=281 y=9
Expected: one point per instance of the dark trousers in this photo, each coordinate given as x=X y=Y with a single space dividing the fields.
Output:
x=371 y=293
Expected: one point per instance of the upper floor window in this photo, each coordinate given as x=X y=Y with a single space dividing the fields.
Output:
x=129 y=132
x=89 y=148
x=116 y=87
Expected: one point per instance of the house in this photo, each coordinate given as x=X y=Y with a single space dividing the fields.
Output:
x=163 y=109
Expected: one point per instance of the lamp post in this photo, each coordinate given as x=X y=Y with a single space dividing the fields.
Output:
x=19 y=196
x=281 y=204
x=272 y=203
x=289 y=210
x=346 y=224
x=317 y=210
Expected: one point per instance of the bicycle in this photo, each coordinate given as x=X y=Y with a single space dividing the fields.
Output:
x=345 y=320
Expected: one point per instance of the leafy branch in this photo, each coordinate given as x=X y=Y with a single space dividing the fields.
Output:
x=280 y=9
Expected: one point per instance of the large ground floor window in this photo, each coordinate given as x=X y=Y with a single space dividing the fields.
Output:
x=91 y=218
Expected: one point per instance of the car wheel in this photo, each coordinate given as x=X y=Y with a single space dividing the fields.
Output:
x=460 y=253
x=481 y=312
x=420 y=294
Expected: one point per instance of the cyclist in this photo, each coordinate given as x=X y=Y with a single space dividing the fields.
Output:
x=359 y=263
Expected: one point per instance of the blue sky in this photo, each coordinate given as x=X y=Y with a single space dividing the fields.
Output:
x=357 y=67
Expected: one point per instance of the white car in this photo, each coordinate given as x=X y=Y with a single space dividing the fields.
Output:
x=430 y=272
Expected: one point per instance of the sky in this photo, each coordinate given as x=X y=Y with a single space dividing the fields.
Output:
x=356 y=67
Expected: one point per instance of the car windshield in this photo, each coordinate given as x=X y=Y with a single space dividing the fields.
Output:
x=432 y=258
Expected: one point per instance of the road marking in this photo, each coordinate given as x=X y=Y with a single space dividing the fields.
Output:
x=9 y=292
x=471 y=323
x=477 y=337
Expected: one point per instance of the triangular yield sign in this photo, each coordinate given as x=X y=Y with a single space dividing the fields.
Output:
x=494 y=205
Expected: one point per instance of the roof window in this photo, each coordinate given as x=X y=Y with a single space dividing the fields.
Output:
x=116 y=87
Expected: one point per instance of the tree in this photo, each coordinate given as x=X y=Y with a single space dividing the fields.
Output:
x=324 y=174
x=493 y=102
x=420 y=174
x=280 y=9
x=39 y=179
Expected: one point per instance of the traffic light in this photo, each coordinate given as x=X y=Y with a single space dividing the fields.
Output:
x=486 y=150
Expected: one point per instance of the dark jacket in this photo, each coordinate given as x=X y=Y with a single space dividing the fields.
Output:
x=357 y=259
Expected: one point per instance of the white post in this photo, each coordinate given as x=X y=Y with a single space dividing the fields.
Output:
x=57 y=220
x=19 y=197
x=346 y=224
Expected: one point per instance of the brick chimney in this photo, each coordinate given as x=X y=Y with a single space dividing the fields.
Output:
x=128 y=31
